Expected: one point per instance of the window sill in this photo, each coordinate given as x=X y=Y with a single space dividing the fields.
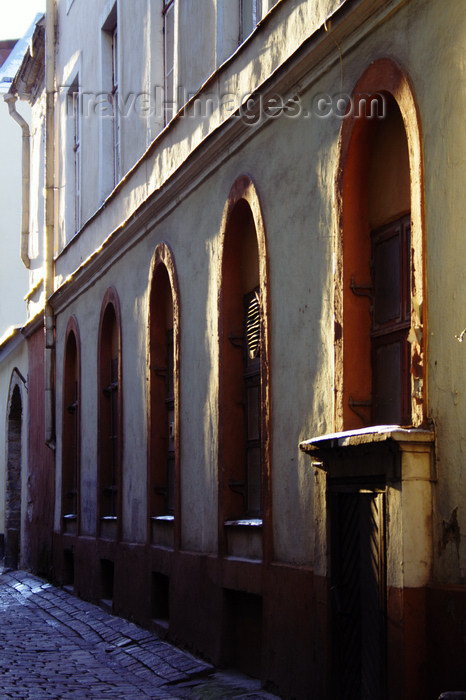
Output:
x=244 y=522
x=108 y=527
x=244 y=538
x=162 y=531
x=70 y=523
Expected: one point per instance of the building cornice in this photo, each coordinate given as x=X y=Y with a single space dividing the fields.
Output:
x=34 y=324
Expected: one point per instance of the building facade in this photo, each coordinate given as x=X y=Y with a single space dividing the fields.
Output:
x=247 y=387
x=13 y=288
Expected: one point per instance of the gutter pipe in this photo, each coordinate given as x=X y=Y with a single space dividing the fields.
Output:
x=49 y=319
x=11 y=101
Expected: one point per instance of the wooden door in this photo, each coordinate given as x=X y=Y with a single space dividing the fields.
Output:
x=358 y=594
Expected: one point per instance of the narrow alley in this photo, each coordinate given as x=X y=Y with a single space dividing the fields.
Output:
x=54 y=645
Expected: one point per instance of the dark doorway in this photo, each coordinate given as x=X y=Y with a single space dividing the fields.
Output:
x=244 y=632
x=358 y=593
x=13 y=482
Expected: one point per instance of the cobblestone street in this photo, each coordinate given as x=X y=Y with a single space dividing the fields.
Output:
x=53 y=645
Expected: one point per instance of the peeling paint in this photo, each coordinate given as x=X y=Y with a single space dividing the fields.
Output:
x=451 y=532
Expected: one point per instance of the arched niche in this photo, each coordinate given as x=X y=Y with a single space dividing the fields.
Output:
x=379 y=256
x=71 y=427
x=245 y=527
x=14 y=449
x=110 y=436
x=164 y=400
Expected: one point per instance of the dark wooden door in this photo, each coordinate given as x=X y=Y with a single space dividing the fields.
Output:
x=358 y=594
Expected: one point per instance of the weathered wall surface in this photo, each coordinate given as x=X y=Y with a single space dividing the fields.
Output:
x=444 y=153
x=13 y=280
x=289 y=24
x=299 y=240
x=37 y=553
x=177 y=194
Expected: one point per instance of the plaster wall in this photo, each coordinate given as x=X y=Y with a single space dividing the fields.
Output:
x=14 y=276
x=192 y=231
x=35 y=294
x=440 y=104
x=441 y=112
x=300 y=243
x=288 y=24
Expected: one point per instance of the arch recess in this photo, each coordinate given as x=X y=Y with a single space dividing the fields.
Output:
x=14 y=454
x=387 y=79
x=110 y=418
x=163 y=400
x=242 y=210
x=71 y=430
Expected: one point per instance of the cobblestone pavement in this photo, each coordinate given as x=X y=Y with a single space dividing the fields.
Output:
x=54 y=645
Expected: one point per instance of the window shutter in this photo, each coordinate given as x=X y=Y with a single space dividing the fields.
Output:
x=253 y=326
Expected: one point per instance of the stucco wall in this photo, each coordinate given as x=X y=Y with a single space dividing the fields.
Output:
x=293 y=164
x=36 y=294
x=13 y=279
x=141 y=58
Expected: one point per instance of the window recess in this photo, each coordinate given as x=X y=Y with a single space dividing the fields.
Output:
x=110 y=405
x=391 y=321
x=71 y=494
x=71 y=432
x=169 y=59
x=110 y=489
x=249 y=487
x=389 y=295
x=249 y=16
x=162 y=409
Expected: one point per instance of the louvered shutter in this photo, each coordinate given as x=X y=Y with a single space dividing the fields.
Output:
x=253 y=326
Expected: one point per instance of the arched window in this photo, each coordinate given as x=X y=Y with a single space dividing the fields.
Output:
x=71 y=429
x=244 y=410
x=163 y=409
x=110 y=404
x=379 y=288
x=13 y=475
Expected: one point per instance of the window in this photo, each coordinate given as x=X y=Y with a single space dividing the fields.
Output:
x=391 y=320
x=163 y=407
x=169 y=58
x=162 y=396
x=244 y=429
x=71 y=430
x=74 y=108
x=110 y=122
x=14 y=444
x=110 y=401
x=115 y=105
x=379 y=287
x=250 y=14
x=252 y=402
x=242 y=332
